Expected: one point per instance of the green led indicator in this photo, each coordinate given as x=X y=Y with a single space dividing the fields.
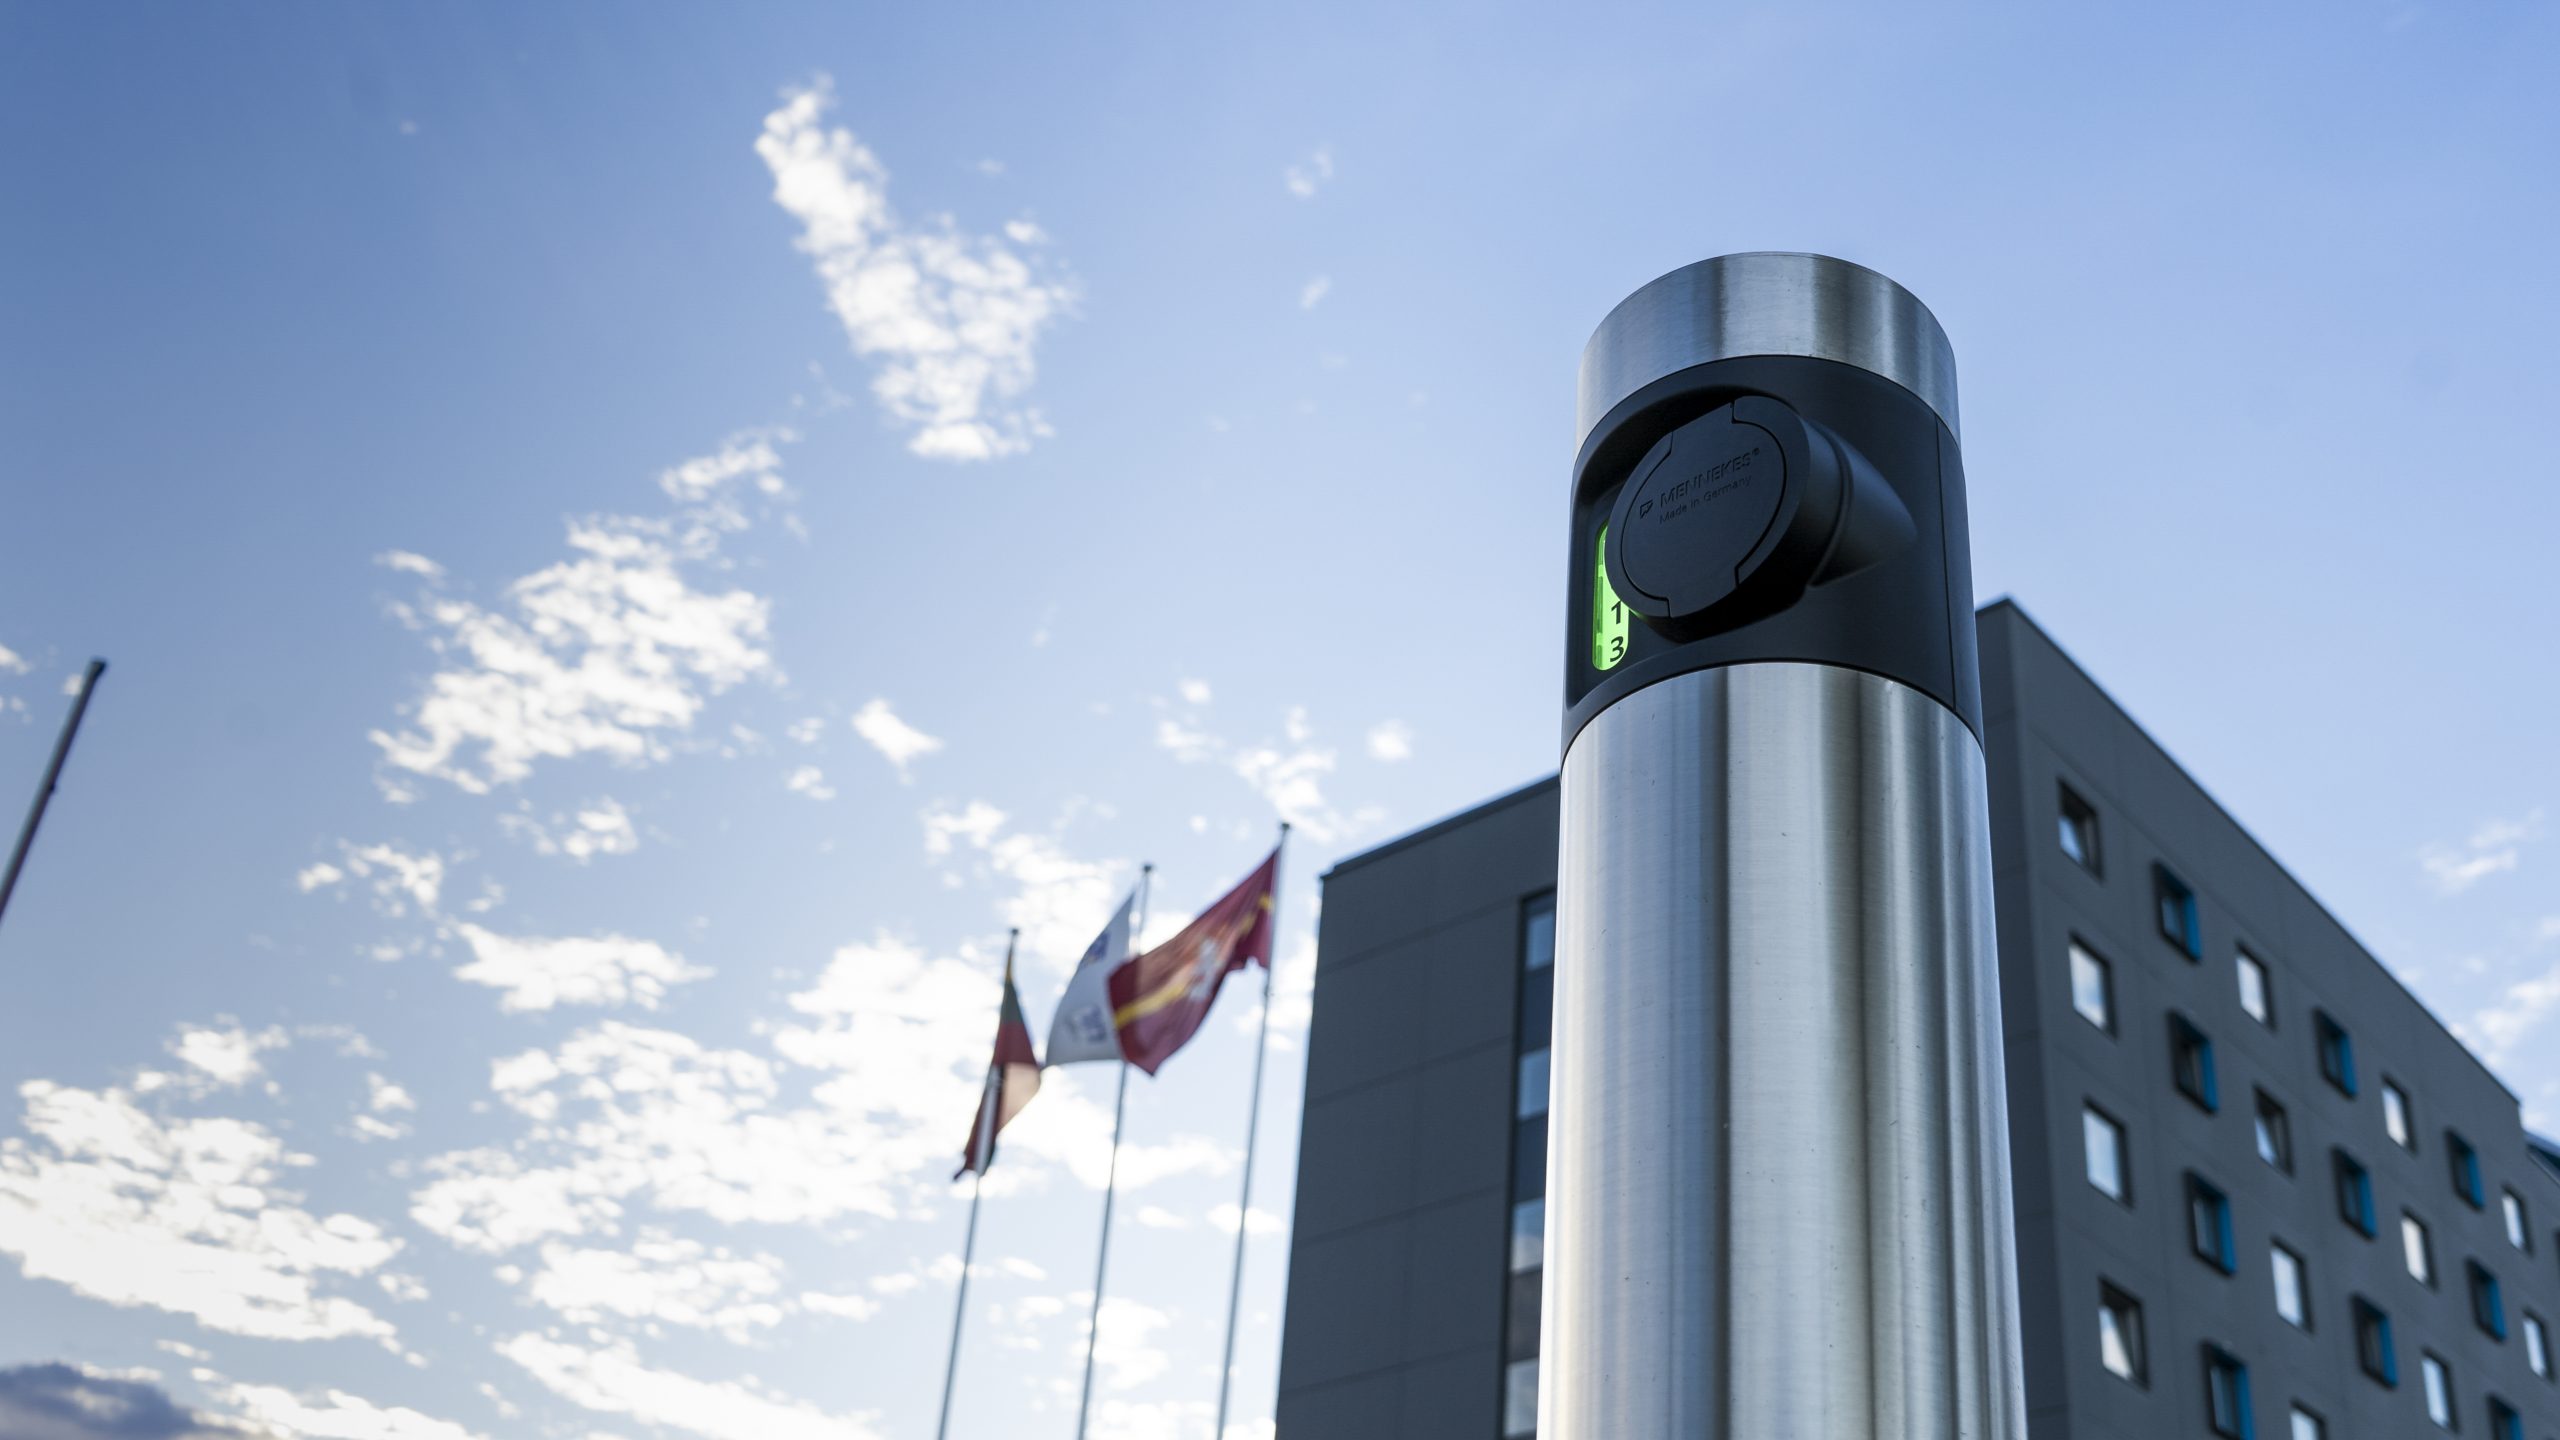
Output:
x=1608 y=612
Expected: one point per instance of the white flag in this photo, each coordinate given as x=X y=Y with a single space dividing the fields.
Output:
x=1082 y=1028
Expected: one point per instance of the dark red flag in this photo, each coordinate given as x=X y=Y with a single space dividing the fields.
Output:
x=1159 y=999
x=1013 y=1077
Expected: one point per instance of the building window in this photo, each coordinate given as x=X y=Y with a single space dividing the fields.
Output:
x=2537 y=1345
x=1520 y=1319
x=2209 y=1224
x=1519 y=1399
x=2177 y=905
x=2466 y=1168
x=2519 y=1233
x=2417 y=1249
x=2293 y=1293
x=2355 y=1192
x=1529 y=1159
x=2337 y=1053
x=2374 y=1350
x=2093 y=988
x=2275 y=1134
x=2253 y=990
x=2395 y=1116
x=1531 y=1035
x=2488 y=1302
x=1533 y=1084
x=2504 y=1423
x=1528 y=1235
x=2226 y=1394
x=2120 y=1335
x=2080 y=831
x=2191 y=1062
x=2308 y=1426
x=2439 y=1383
x=2102 y=1141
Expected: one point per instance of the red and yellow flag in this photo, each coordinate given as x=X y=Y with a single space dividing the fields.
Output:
x=1159 y=999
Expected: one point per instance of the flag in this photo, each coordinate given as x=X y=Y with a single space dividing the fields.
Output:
x=1159 y=999
x=1082 y=1028
x=1013 y=1077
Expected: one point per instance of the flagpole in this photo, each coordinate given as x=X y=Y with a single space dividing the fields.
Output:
x=52 y=775
x=1252 y=1127
x=1119 y=1106
x=977 y=1188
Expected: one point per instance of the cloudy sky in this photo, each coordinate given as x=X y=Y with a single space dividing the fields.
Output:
x=636 y=542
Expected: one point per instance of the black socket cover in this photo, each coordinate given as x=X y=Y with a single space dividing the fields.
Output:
x=1847 y=549
x=1744 y=500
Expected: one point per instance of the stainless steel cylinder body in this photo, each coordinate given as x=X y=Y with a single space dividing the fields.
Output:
x=1778 y=1200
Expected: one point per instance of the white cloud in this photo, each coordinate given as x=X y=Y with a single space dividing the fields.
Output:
x=385 y=1096
x=228 y=1057
x=1391 y=741
x=1073 y=1130
x=1195 y=692
x=1308 y=176
x=1289 y=777
x=606 y=653
x=398 y=878
x=806 y=730
x=2454 y=873
x=977 y=824
x=843 y=1307
x=599 y=827
x=409 y=562
x=335 y=1415
x=900 y=1030
x=1222 y=1218
x=1124 y=1347
x=894 y=738
x=811 y=781
x=1313 y=292
x=2521 y=1010
x=749 y=457
x=10 y=661
x=612 y=1380
x=1293 y=990
x=950 y=320
x=1291 y=780
x=1059 y=901
x=1156 y=1217
x=1123 y=1419
x=624 y=1116
x=662 y=1279
x=2494 y=848
x=315 y=876
x=537 y=974
x=1186 y=743
x=180 y=1215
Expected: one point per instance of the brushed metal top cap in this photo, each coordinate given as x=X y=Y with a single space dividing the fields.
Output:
x=1766 y=303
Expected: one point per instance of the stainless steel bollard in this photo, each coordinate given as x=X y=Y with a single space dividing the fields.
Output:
x=1778 y=1197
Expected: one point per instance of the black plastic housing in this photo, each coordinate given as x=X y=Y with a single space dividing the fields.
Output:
x=1905 y=614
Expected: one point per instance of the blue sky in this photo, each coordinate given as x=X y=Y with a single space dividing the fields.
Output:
x=636 y=541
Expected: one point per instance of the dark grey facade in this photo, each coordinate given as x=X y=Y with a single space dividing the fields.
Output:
x=2186 y=1026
